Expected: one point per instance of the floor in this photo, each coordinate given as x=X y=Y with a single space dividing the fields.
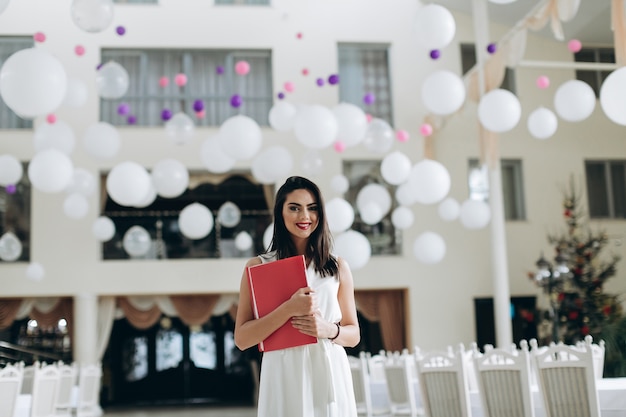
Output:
x=193 y=411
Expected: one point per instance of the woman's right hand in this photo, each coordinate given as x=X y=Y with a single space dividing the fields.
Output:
x=303 y=302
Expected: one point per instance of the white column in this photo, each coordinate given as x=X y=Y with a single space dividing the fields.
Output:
x=85 y=328
x=500 y=273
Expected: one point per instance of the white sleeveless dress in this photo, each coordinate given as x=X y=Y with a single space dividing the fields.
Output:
x=312 y=380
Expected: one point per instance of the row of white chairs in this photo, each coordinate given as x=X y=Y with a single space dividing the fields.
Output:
x=565 y=376
x=50 y=390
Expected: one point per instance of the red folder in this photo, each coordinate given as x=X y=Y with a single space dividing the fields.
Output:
x=271 y=284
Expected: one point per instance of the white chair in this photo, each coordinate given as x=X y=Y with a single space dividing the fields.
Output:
x=567 y=381
x=362 y=388
x=598 y=351
x=27 y=381
x=376 y=366
x=10 y=388
x=504 y=382
x=443 y=384
x=88 y=404
x=400 y=385
x=45 y=386
x=67 y=381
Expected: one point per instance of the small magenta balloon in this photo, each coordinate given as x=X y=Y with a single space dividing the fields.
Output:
x=123 y=109
x=491 y=48
x=132 y=119
x=280 y=95
x=11 y=189
x=166 y=114
x=319 y=82
x=369 y=98
x=198 y=106
x=333 y=79
x=219 y=70
x=236 y=101
x=435 y=54
x=120 y=30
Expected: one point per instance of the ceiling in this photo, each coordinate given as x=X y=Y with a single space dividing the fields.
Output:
x=591 y=26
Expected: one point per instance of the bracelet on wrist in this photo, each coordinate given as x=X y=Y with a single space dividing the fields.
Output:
x=332 y=339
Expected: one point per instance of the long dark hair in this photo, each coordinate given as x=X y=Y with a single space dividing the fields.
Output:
x=320 y=241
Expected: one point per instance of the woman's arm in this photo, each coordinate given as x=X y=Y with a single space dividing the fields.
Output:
x=250 y=331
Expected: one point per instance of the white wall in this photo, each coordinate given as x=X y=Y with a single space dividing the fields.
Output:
x=441 y=295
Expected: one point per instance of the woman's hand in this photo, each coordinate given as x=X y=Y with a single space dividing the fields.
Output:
x=303 y=302
x=315 y=325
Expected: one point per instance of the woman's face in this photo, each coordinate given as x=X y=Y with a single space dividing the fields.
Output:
x=300 y=214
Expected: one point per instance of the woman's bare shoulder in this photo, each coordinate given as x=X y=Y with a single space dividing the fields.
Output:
x=253 y=261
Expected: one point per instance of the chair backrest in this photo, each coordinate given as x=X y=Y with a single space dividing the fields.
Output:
x=443 y=384
x=567 y=381
x=504 y=382
x=360 y=384
x=89 y=389
x=376 y=366
x=10 y=388
x=45 y=385
x=598 y=351
x=400 y=384
x=67 y=380
x=27 y=379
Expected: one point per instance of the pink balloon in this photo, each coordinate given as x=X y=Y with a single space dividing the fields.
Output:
x=305 y=71
x=180 y=80
x=51 y=118
x=402 y=135
x=339 y=146
x=79 y=50
x=543 y=82
x=39 y=37
x=574 y=45
x=426 y=130
x=200 y=114
x=242 y=67
x=289 y=87
x=164 y=81
x=369 y=117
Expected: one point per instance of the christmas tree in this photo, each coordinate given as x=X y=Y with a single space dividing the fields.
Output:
x=575 y=284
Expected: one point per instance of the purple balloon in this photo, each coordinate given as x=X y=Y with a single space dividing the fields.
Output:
x=491 y=48
x=369 y=98
x=120 y=30
x=319 y=82
x=219 y=69
x=333 y=79
x=132 y=119
x=166 y=114
x=123 y=108
x=198 y=105
x=236 y=100
x=281 y=95
x=435 y=54
x=11 y=189
x=99 y=66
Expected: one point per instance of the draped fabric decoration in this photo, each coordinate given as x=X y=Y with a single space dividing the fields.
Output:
x=47 y=311
x=618 y=24
x=387 y=308
x=139 y=318
x=8 y=311
x=194 y=309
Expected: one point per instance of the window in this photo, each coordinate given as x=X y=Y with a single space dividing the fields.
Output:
x=364 y=69
x=243 y=2
x=512 y=186
x=383 y=236
x=15 y=203
x=606 y=189
x=210 y=78
x=591 y=77
x=8 y=46
x=468 y=61
x=160 y=219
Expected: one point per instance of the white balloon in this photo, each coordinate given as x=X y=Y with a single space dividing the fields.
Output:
x=395 y=168
x=180 y=128
x=429 y=248
x=170 y=178
x=243 y=241
x=371 y=213
x=240 y=137
x=374 y=193
x=214 y=158
x=435 y=26
x=58 y=135
x=82 y=182
x=443 y=92
x=195 y=221
x=379 y=136
x=429 y=181
x=10 y=247
x=315 y=126
x=282 y=116
x=613 y=96
x=50 y=171
x=103 y=229
x=312 y=163
x=137 y=241
x=112 y=80
x=404 y=194
x=475 y=214
x=272 y=164
x=354 y=248
x=102 y=140
x=35 y=271
x=229 y=214
x=339 y=214
x=339 y=183
x=149 y=198
x=3 y=5
x=75 y=206
x=351 y=123
x=76 y=93
x=92 y=15
x=33 y=82
x=11 y=170
x=402 y=217
x=499 y=110
x=542 y=123
x=449 y=209
x=574 y=101
x=128 y=183
x=268 y=235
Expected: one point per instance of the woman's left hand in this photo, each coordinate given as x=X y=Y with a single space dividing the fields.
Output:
x=314 y=325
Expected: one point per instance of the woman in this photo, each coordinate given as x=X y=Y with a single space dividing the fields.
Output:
x=312 y=380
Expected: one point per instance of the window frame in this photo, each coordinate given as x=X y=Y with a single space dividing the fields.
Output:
x=608 y=191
